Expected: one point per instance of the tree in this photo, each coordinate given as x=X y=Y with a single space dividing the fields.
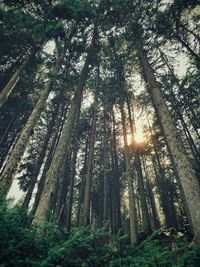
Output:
x=63 y=144
x=186 y=173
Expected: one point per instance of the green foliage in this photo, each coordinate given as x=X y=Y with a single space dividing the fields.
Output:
x=24 y=245
x=78 y=10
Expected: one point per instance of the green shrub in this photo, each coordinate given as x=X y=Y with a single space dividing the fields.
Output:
x=23 y=245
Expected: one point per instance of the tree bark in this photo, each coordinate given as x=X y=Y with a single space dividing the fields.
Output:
x=131 y=195
x=53 y=174
x=41 y=157
x=55 y=135
x=142 y=191
x=82 y=185
x=143 y=197
x=7 y=176
x=105 y=215
x=71 y=187
x=88 y=182
x=115 y=186
x=187 y=178
x=151 y=198
x=7 y=90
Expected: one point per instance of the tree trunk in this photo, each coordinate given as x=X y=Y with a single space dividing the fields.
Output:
x=65 y=179
x=151 y=198
x=7 y=90
x=176 y=107
x=105 y=215
x=7 y=176
x=143 y=197
x=55 y=135
x=71 y=187
x=142 y=191
x=82 y=185
x=131 y=195
x=88 y=182
x=62 y=148
x=60 y=205
x=115 y=186
x=186 y=45
x=40 y=158
x=187 y=178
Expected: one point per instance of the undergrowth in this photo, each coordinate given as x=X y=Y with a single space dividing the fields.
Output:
x=23 y=245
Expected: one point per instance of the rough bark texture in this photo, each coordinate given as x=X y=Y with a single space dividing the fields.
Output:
x=187 y=178
x=176 y=107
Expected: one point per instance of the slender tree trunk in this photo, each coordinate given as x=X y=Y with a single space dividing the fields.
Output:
x=50 y=150
x=7 y=176
x=142 y=191
x=151 y=198
x=143 y=197
x=60 y=209
x=88 y=182
x=7 y=90
x=186 y=45
x=71 y=188
x=40 y=159
x=7 y=130
x=105 y=170
x=82 y=185
x=132 y=204
x=65 y=180
x=189 y=31
x=115 y=187
x=187 y=178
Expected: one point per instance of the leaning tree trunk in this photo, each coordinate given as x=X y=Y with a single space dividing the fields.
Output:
x=55 y=136
x=176 y=107
x=187 y=178
x=88 y=182
x=7 y=176
x=62 y=148
x=41 y=156
x=186 y=45
x=65 y=179
x=131 y=195
x=7 y=90
x=53 y=174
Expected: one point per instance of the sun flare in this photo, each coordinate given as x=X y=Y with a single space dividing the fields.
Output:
x=138 y=138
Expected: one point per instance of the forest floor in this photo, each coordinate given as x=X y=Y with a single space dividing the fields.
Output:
x=23 y=245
